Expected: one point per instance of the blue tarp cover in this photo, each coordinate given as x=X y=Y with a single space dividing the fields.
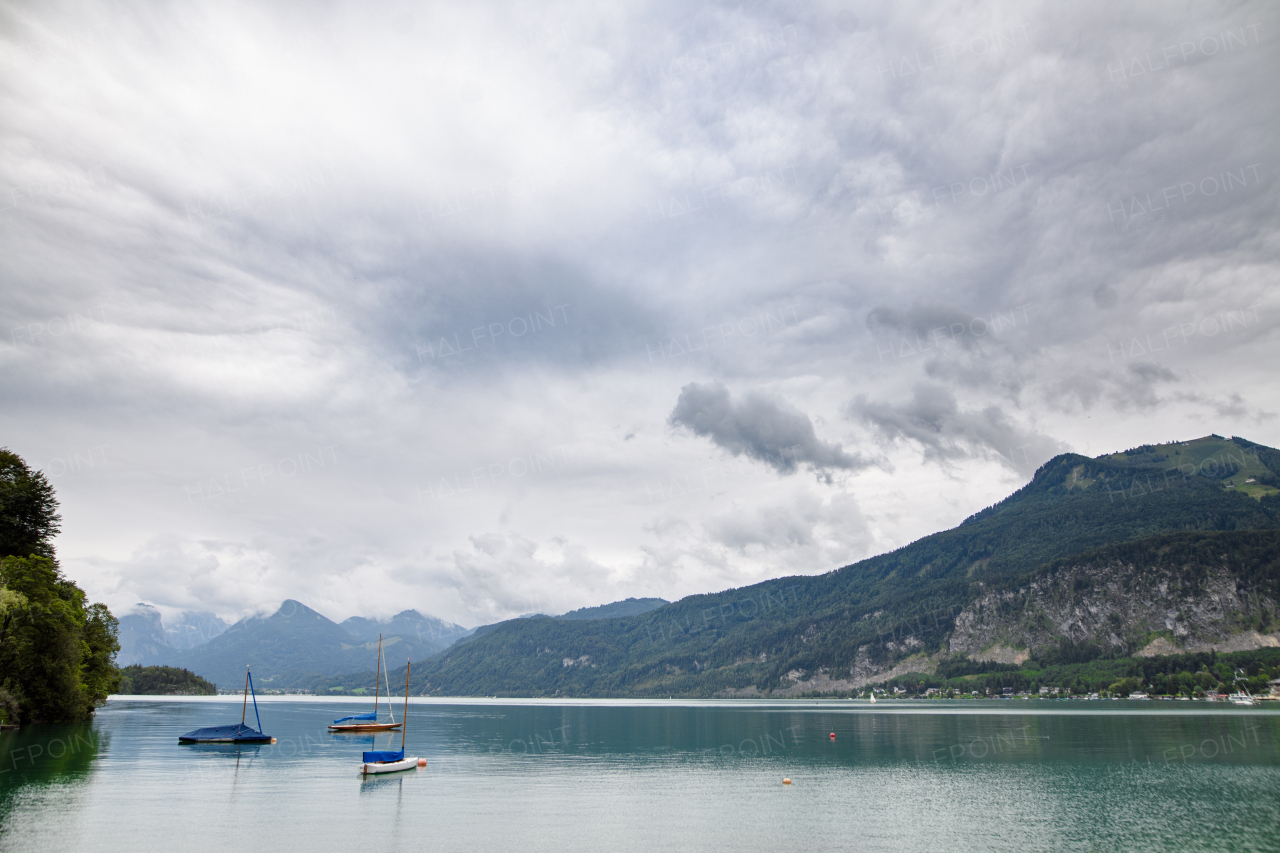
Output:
x=383 y=755
x=238 y=732
x=373 y=716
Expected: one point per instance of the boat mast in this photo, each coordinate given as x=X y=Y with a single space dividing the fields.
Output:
x=386 y=678
x=376 y=685
x=245 y=707
x=404 y=728
x=255 y=700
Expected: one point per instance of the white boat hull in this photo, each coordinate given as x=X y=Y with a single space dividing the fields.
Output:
x=389 y=766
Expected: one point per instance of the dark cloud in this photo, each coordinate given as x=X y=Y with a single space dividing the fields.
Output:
x=928 y=325
x=933 y=419
x=762 y=429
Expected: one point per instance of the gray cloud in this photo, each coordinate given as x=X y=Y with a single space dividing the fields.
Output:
x=933 y=420
x=928 y=326
x=762 y=429
x=231 y=234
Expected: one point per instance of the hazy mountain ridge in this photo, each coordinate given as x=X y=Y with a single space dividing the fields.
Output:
x=296 y=644
x=142 y=636
x=407 y=623
x=867 y=617
x=146 y=640
x=194 y=628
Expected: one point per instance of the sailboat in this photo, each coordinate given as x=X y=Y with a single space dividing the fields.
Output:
x=233 y=734
x=391 y=760
x=1242 y=696
x=873 y=697
x=369 y=722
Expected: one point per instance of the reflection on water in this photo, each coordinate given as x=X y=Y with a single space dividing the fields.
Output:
x=642 y=776
x=41 y=765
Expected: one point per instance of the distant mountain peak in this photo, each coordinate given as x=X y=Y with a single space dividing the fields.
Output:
x=293 y=609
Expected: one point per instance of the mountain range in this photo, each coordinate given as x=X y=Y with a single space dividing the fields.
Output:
x=294 y=644
x=146 y=640
x=1157 y=550
x=902 y=610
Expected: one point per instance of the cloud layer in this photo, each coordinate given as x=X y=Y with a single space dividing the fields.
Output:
x=376 y=306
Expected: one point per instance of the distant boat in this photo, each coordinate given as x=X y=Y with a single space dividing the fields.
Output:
x=233 y=734
x=369 y=722
x=1242 y=697
x=873 y=697
x=389 y=760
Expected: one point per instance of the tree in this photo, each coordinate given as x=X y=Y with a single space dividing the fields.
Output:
x=28 y=510
x=57 y=651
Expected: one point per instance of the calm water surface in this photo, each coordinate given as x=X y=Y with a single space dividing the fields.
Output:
x=656 y=776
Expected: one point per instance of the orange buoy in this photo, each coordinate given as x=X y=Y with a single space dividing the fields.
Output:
x=422 y=762
x=786 y=781
x=273 y=740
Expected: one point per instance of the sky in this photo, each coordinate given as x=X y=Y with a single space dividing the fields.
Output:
x=487 y=309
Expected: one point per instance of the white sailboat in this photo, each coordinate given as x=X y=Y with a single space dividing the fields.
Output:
x=1242 y=696
x=873 y=697
x=389 y=760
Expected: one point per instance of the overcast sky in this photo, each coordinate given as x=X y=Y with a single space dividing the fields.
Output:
x=486 y=309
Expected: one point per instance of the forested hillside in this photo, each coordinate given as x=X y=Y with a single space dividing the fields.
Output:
x=163 y=681
x=881 y=610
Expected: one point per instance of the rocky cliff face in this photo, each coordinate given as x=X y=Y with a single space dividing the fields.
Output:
x=1114 y=605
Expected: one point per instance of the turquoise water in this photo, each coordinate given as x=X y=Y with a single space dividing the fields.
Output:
x=656 y=776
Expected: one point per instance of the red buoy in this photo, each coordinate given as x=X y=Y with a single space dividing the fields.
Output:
x=833 y=735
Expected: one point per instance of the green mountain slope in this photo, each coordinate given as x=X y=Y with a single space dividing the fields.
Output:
x=626 y=607
x=887 y=607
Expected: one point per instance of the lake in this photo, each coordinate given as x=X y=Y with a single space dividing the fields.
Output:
x=510 y=775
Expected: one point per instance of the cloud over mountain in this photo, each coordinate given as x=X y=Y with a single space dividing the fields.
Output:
x=381 y=308
x=765 y=430
x=933 y=420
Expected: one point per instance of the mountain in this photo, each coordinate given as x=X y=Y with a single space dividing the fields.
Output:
x=194 y=628
x=142 y=636
x=145 y=639
x=296 y=643
x=627 y=607
x=875 y=616
x=1172 y=594
x=407 y=623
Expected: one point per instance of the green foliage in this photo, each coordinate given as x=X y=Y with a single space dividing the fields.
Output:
x=1124 y=687
x=1168 y=675
x=56 y=650
x=28 y=509
x=163 y=681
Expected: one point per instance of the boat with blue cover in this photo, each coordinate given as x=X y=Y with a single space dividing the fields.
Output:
x=392 y=760
x=369 y=722
x=240 y=733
